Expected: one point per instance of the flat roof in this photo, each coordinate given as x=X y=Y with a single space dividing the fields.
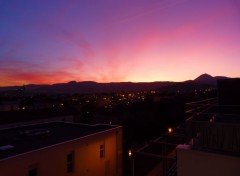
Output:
x=24 y=139
x=218 y=118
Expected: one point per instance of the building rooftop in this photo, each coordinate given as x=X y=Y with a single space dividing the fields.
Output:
x=217 y=118
x=213 y=127
x=20 y=140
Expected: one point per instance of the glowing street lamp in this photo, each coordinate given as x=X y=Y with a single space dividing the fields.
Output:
x=170 y=130
x=129 y=153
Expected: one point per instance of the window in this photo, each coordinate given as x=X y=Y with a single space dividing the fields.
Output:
x=32 y=172
x=102 y=151
x=70 y=162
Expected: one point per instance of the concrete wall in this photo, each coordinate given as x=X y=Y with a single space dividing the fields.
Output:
x=53 y=160
x=197 y=163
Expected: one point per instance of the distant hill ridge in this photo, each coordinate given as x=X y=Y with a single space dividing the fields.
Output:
x=94 y=87
x=208 y=79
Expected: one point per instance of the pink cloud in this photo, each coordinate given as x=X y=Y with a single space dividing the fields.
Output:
x=140 y=42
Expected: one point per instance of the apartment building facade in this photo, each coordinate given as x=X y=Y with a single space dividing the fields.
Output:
x=61 y=149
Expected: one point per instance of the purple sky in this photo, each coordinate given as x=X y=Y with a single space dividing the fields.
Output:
x=50 y=41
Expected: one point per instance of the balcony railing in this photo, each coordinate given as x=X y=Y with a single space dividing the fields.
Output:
x=213 y=127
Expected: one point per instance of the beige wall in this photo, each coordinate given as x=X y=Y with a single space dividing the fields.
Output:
x=197 y=163
x=52 y=160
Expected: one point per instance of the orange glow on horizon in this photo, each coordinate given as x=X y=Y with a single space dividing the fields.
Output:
x=150 y=41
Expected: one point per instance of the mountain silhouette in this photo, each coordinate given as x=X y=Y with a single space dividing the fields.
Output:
x=94 y=87
x=208 y=79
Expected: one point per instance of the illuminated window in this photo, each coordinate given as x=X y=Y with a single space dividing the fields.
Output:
x=70 y=162
x=102 y=151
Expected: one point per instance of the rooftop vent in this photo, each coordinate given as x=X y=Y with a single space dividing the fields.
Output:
x=35 y=132
x=6 y=147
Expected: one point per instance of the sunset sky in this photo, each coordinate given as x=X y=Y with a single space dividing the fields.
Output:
x=52 y=41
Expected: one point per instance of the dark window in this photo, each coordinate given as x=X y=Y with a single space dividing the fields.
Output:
x=102 y=151
x=70 y=162
x=32 y=172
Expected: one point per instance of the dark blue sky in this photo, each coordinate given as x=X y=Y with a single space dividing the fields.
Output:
x=49 y=41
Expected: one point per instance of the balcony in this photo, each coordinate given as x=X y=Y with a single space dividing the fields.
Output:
x=213 y=127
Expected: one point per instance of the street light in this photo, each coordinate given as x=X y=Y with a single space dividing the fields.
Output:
x=129 y=153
